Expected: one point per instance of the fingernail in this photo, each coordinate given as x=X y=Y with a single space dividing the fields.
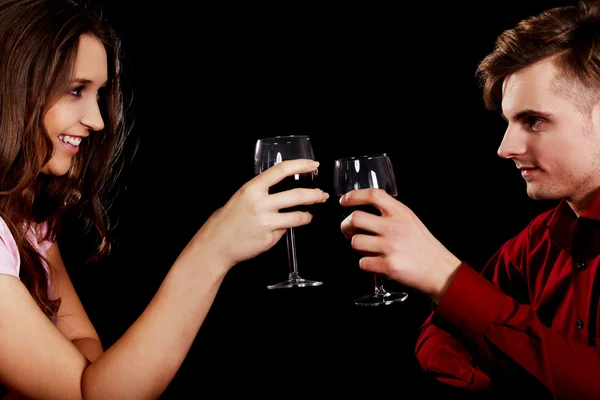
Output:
x=342 y=198
x=315 y=163
x=325 y=195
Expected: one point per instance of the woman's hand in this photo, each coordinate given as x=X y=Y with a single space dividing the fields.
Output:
x=250 y=222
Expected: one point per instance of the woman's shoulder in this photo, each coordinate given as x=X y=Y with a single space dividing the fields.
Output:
x=9 y=252
x=10 y=260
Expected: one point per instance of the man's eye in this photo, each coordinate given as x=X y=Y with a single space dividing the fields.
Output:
x=534 y=122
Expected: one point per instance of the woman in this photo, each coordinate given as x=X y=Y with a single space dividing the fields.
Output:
x=61 y=119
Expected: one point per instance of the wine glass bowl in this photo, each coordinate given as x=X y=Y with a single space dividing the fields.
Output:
x=368 y=171
x=267 y=153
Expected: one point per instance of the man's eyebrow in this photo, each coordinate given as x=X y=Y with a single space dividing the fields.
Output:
x=528 y=113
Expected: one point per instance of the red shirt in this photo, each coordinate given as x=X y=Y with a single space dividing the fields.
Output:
x=531 y=316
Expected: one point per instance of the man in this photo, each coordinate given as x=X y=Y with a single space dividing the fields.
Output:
x=531 y=317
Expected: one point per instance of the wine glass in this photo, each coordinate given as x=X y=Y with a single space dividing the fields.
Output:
x=273 y=150
x=369 y=171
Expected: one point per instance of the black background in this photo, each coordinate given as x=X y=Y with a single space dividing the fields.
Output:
x=359 y=78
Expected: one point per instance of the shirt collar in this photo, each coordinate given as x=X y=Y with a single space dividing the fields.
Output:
x=593 y=211
x=561 y=224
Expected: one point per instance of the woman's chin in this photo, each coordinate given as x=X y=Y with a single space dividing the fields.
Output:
x=55 y=169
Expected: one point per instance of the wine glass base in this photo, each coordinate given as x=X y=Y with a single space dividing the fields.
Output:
x=296 y=282
x=383 y=299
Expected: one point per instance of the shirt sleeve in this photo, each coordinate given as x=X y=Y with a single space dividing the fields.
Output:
x=483 y=331
x=446 y=357
x=481 y=311
x=461 y=360
x=37 y=236
x=9 y=253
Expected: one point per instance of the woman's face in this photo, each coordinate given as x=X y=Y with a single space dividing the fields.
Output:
x=76 y=114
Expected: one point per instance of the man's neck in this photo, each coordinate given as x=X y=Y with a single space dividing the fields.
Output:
x=581 y=202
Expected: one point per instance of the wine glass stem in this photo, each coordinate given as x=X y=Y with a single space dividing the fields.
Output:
x=291 y=245
x=379 y=290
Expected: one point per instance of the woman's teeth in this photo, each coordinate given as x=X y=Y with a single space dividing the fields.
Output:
x=72 y=140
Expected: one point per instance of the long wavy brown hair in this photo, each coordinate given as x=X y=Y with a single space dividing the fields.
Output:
x=38 y=46
x=571 y=34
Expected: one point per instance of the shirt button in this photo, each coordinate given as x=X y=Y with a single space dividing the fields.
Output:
x=580 y=324
x=581 y=265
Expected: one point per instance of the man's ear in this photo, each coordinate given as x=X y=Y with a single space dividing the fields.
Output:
x=595 y=115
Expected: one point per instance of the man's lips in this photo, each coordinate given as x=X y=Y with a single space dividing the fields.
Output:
x=527 y=172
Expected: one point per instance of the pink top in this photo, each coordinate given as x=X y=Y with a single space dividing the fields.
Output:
x=10 y=261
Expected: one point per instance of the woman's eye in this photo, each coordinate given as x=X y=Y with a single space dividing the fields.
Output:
x=77 y=91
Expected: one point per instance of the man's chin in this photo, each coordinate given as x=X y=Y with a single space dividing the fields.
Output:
x=541 y=194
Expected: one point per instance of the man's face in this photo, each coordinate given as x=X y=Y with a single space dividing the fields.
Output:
x=555 y=146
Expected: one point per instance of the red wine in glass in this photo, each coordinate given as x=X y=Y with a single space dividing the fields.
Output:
x=268 y=152
x=369 y=171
